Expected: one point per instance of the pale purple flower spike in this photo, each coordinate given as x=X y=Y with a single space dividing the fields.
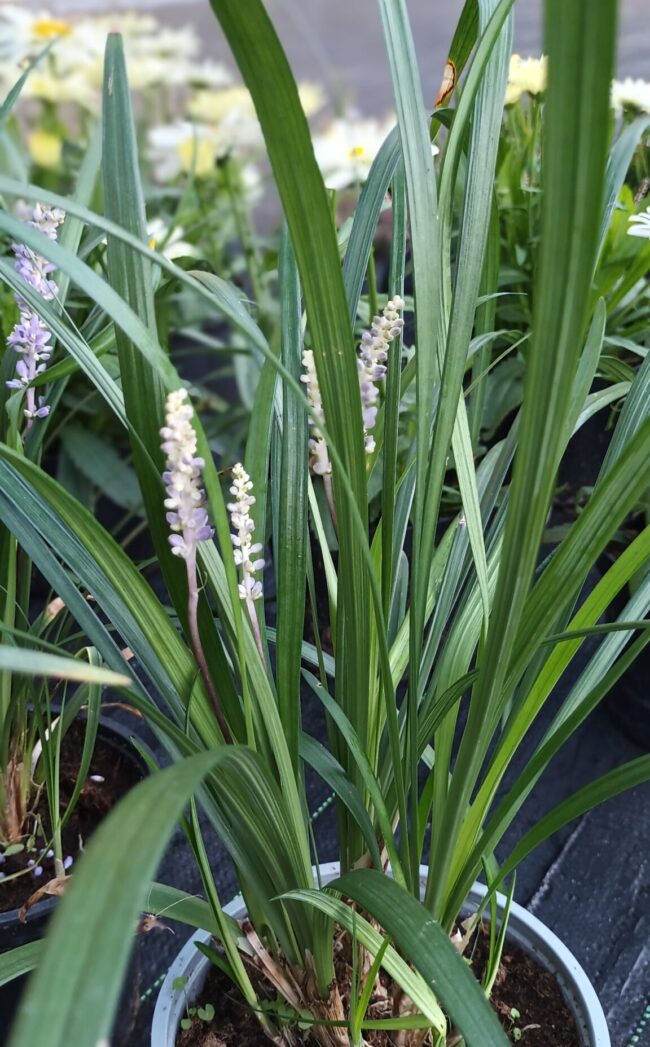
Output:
x=187 y=516
x=371 y=365
x=319 y=459
x=246 y=551
x=30 y=337
x=371 y=362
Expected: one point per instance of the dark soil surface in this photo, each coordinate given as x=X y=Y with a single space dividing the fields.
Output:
x=233 y=1023
x=526 y=997
x=544 y=1018
x=118 y=773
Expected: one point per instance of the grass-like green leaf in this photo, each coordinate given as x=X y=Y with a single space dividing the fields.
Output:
x=266 y=72
x=42 y=663
x=19 y=961
x=291 y=539
x=327 y=902
x=63 y=1005
x=427 y=946
x=33 y=505
x=580 y=43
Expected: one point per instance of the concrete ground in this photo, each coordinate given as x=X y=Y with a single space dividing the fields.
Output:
x=339 y=42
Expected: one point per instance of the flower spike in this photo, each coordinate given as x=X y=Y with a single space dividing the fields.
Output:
x=30 y=337
x=371 y=366
x=371 y=361
x=250 y=588
x=187 y=517
x=319 y=462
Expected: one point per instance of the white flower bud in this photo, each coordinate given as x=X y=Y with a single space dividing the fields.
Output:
x=245 y=549
x=188 y=517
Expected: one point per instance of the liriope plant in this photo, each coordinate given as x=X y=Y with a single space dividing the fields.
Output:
x=471 y=612
x=35 y=712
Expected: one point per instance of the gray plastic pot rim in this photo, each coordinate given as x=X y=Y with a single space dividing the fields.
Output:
x=523 y=928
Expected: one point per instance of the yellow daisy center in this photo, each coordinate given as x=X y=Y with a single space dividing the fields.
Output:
x=197 y=154
x=45 y=148
x=46 y=27
x=356 y=152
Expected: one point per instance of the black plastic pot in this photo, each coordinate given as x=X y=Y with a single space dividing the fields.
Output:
x=628 y=704
x=13 y=932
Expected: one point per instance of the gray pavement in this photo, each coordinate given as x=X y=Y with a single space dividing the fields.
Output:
x=339 y=42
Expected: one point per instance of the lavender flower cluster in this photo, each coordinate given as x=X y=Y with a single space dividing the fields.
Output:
x=187 y=516
x=30 y=337
x=371 y=362
x=245 y=549
x=371 y=365
x=319 y=461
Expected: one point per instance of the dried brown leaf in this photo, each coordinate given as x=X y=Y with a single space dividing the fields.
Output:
x=53 y=887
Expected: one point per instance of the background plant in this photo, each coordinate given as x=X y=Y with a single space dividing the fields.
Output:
x=36 y=715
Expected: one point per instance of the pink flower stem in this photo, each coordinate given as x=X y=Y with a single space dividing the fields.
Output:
x=197 y=646
x=31 y=407
x=252 y=614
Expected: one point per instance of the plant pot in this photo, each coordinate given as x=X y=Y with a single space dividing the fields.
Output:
x=13 y=932
x=525 y=930
x=628 y=703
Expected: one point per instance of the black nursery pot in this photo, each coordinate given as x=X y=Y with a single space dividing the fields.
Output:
x=13 y=932
x=628 y=703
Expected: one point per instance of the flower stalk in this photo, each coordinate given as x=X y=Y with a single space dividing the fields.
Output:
x=187 y=517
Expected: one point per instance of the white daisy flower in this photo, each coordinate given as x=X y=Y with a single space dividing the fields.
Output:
x=171 y=246
x=182 y=147
x=210 y=74
x=630 y=94
x=23 y=31
x=640 y=224
x=346 y=150
x=525 y=76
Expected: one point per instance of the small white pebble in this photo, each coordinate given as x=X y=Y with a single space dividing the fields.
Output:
x=97 y=778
